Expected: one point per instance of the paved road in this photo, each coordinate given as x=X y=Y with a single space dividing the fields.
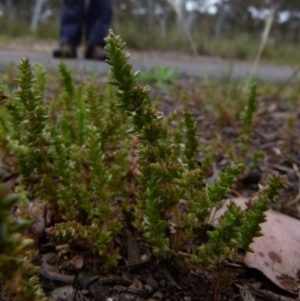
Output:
x=201 y=67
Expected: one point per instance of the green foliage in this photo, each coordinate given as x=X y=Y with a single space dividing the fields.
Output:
x=161 y=77
x=255 y=215
x=169 y=175
x=237 y=227
x=248 y=112
x=247 y=119
x=73 y=160
x=191 y=145
x=104 y=159
x=16 y=270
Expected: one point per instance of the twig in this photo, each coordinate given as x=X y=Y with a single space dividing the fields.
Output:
x=190 y=39
x=281 y=87
x=286 y=156
x=56 y=276
x=270 y=296
x=129 y=266
x=264 y=41
x=289 y=158
x=178 y=229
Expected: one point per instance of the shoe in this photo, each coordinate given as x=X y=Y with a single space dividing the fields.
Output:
x=96 y=53
x=65 y=52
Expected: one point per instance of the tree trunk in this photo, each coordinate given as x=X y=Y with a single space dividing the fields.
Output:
x=181 y=18
x=150 y=20
x=36 y=14
x=9 y=9
x=220 y=22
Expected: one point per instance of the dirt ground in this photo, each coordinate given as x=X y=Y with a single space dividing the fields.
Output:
x=74 y=275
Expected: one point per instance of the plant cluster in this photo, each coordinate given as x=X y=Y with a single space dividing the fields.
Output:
x=71 y=153
x=106 y=159
x=247 y=119
x=170 y=174
x=161 y=77
x=17 y=272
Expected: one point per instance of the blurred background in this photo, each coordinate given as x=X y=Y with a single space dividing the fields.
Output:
x=230 y=29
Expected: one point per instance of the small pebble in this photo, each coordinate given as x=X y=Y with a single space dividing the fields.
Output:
x=162 y=283
x=84 y=292
x=119 y=289
x=148 y=289
x=157 y=296
x=136 y=285
x=112 y=299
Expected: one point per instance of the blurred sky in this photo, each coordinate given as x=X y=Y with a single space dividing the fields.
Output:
x=210 y=6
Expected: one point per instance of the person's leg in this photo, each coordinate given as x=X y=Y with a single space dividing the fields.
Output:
x=98 y=22
x=71 y=22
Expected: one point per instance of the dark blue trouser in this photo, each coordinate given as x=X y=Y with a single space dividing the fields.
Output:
x=96 y=19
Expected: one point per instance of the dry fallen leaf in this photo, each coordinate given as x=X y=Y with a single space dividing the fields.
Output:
x=63 y=293
x=72 y=265
x=277 y=252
